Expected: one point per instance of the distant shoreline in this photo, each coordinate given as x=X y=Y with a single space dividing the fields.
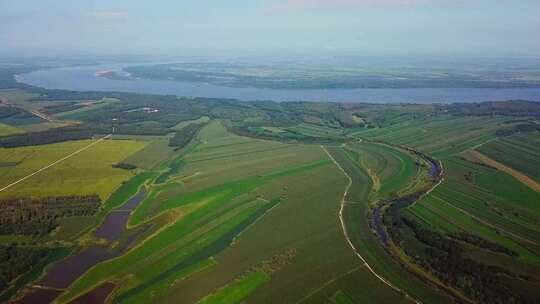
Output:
x=85 y=78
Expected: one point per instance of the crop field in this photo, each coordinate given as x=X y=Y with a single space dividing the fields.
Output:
x=153 y=154
x=439 y=136
x=89 y=172
x=520 y=151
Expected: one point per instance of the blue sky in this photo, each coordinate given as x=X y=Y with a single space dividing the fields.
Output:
x=439 y=27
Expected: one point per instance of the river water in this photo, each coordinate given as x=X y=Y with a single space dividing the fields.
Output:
x=85 y=79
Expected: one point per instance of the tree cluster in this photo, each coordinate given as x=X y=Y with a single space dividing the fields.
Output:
x=45 y=137
x=183 y=137
x=15 y=261
x=38 y=216
x=443 y=256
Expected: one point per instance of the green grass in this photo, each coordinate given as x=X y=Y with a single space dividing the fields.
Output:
x=167 y=268
x=316 y=130
x=69 y=228
x=220 y=193
x=9 y=130
x=395 y=169
x=127 y=190
x=181 y=125
x=341 y=298
x=237 y=291
x=156 y=152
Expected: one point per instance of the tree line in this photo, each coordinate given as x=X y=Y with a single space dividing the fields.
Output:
x=46 y=137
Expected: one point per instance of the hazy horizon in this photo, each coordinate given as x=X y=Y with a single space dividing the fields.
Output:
x=442 y=28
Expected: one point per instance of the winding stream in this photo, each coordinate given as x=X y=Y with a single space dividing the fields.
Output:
x=435 y=172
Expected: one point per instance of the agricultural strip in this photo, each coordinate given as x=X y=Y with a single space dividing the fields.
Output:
x=516 y=174
x=520 y=152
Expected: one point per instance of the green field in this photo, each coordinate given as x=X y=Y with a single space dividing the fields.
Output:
x=238 y=290
x=439 y=136
x=8 y=130
x=521 y=152
x=181 y=125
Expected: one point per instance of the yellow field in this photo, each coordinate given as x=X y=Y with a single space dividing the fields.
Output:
x=89 y=172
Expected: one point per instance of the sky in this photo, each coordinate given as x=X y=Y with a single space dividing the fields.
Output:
x=184 y=27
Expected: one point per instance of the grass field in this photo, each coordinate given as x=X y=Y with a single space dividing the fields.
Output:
x=9 y=130
x=154 y=153
x=441 y=136
x=89 y=172
x=238 y=290
x=181 y=125
x=393 y=171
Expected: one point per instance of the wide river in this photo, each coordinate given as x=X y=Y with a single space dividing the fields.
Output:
x=85 y=79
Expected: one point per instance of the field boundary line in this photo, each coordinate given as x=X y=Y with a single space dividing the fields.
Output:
x=54 y=163
x=520 y=176
x=346 y=234
x=486 y=222
x=327 y=283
